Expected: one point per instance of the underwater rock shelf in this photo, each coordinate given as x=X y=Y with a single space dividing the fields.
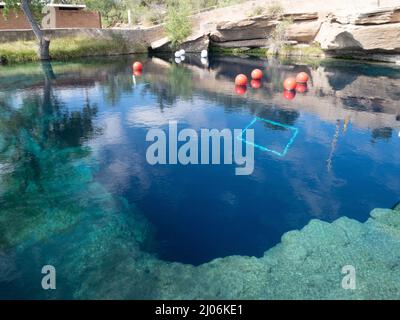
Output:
x=307 y=264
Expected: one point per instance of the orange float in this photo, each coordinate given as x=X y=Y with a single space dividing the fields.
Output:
x=137 y=66
x=257 y=74
x=241 y=80
x=302 y=77
x=289 y=94
x=301 y=87
x=290 y=83
x=255 y=84
x=240 y=90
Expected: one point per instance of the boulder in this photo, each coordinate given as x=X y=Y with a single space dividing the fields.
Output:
x=248 y=29
x=261 y=26
x=303 y=32
x=193 y=44
x=378 y=38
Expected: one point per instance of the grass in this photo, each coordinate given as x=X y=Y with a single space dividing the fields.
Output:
x=309 y=51
x=311 y=55
x=256 y=52
x=275 y=9
x=66 y=48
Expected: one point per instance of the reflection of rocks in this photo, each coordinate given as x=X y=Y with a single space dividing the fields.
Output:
x=368 y=97
x=382 y=133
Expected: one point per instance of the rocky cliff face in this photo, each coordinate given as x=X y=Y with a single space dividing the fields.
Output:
x=371 y=33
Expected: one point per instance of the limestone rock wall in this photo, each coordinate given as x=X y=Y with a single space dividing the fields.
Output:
x=356 y=28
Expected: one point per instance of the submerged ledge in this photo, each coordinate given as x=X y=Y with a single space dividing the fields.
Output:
x=307 y=264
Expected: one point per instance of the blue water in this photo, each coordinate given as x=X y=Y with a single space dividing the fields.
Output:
x=83 y=125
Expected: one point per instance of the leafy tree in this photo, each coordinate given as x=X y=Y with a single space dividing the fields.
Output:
x=178 y=26
x=30 y=8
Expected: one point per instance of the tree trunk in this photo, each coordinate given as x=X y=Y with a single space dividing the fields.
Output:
x=44 y=43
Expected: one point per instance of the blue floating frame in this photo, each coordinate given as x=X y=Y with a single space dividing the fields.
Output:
x=280 y=154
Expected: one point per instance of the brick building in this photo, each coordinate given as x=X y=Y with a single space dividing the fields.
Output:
x=70 y=16
x=56 y=16
x=15 y=19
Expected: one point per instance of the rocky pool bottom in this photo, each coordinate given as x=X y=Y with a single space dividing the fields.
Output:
x=99 y=253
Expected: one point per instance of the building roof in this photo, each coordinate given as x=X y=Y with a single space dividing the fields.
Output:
x=60 y=5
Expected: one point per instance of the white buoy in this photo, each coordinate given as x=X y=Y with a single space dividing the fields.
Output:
x=182 y=58
x=204 y=61
x=204 y=53
x=178 y=60
x=177 y=54
x=182 y=51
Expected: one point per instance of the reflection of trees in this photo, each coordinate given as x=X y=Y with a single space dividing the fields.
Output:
x=41 y=158
x=177 y=85
x=116 y=85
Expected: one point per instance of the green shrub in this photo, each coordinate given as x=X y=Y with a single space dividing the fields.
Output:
x=257 y=11
x=178 y=26
x=275 y=9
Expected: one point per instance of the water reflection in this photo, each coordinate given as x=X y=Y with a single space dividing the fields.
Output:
x=41 y=141
x=98 y=113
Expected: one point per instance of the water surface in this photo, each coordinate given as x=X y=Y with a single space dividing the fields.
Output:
x=72 y=157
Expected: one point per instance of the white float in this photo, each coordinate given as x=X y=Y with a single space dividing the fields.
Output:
x=177 y=54
x=178 y=60
x=204 y=53
x=182 y=51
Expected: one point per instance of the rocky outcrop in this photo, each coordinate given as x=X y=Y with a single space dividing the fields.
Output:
x=255 y=28
x=371 y=17
x=371 y=34
x=193 y=44
x=344 y=38
x=303 y=32
x=305 y=27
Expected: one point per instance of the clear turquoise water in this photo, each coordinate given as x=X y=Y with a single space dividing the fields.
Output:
x=76 y=190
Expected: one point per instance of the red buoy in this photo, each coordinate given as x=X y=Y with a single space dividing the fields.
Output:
x=255 y=84
x=137 y=66
x=257 y=74
x=289 y=94
x=241 y=80
x=290 y=83
x=240 y=90
x=302 y=77
x=301 y=87
x=137 y=73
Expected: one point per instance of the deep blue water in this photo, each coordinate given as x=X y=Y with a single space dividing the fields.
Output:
x=88 y=124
